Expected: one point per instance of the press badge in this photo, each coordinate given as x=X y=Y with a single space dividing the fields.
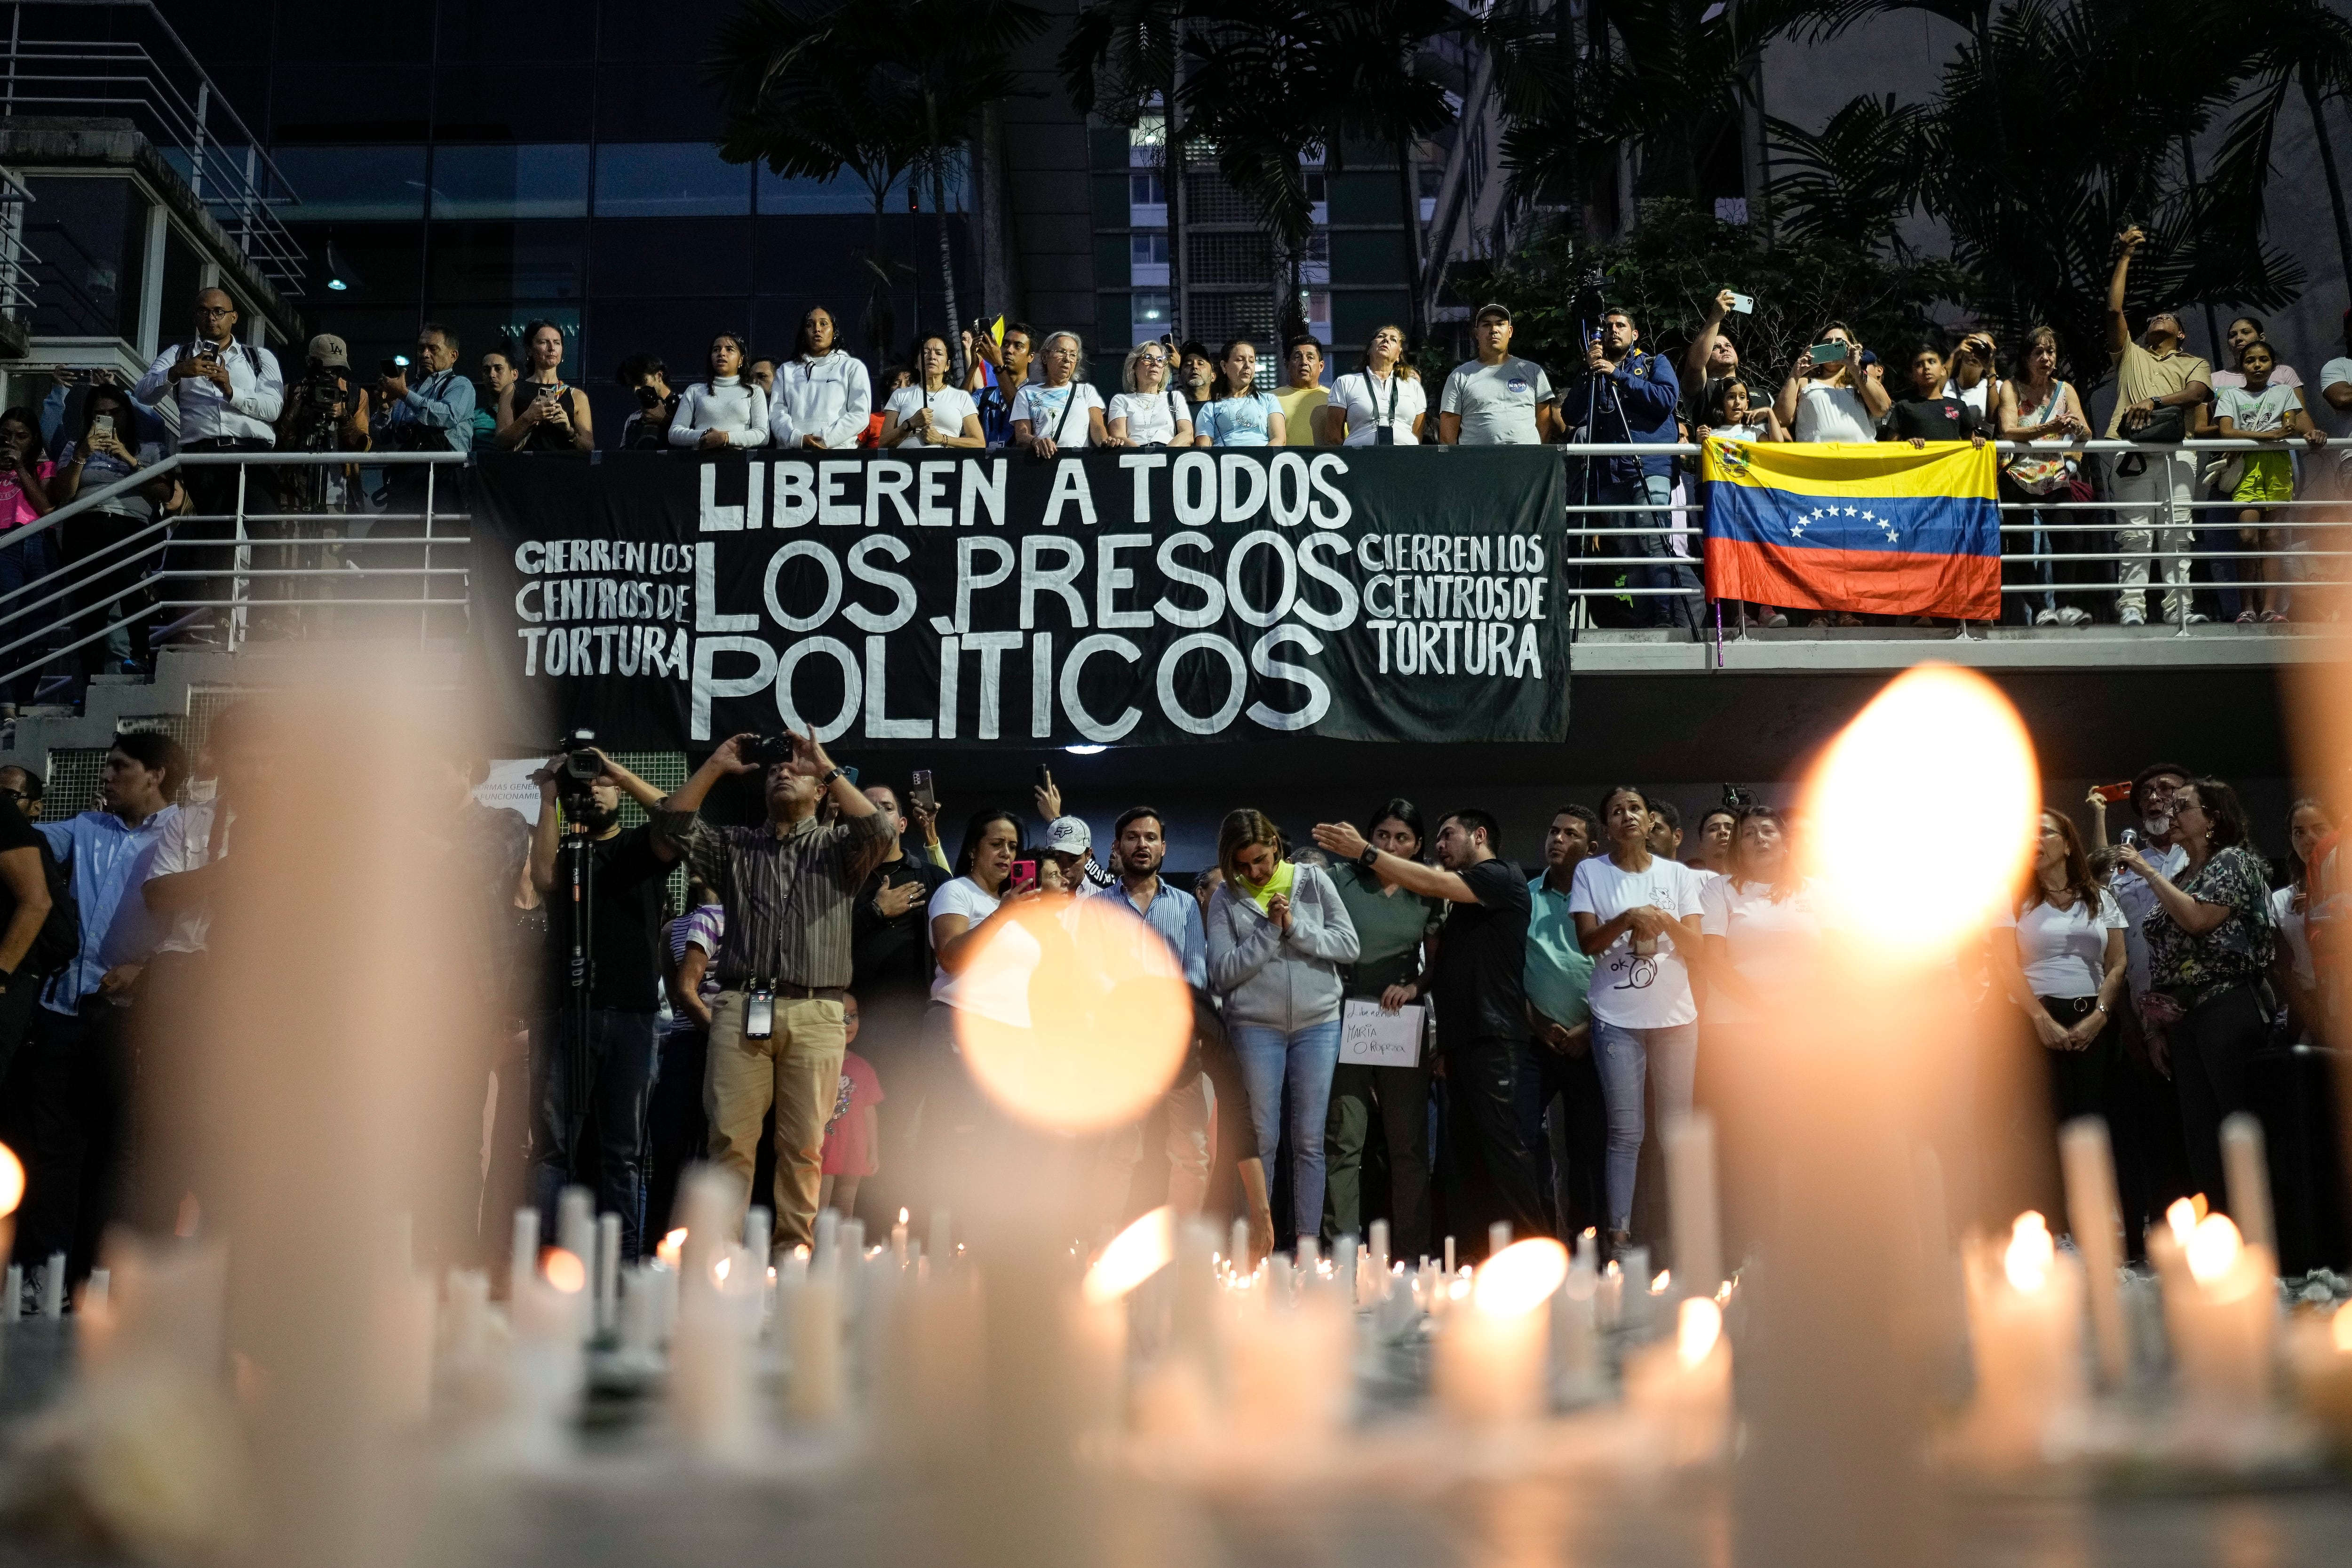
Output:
x=759 y=1012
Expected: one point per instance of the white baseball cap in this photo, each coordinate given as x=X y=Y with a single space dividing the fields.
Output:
x=1068 y=835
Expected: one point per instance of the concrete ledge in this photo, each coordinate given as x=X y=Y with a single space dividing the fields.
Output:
x=1798 y=651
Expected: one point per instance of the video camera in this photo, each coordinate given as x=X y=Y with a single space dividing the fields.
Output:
x=582 y=766
x=768 y=751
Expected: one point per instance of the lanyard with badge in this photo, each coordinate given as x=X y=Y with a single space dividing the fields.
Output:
x=1383 y=430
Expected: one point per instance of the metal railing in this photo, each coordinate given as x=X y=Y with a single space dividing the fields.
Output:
x=16 y=258
x=173 y=103
x=2171 y=568
x=252 y=566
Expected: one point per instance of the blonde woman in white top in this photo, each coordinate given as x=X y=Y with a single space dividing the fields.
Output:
x=725 y=411
x=1149 y=413
x=824 y=397
x=1061 y=410
x=930 y=413
x=1380 y=404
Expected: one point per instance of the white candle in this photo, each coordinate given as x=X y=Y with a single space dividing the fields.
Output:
x=575 y=1223
x=710 y=1381
x=828 y=1233
x=940 y=1241
x=608 y=1272
x=53 y=1287
x=523 y=1260
x=2025 y=1331
x=2249 y=1175
x=814 y=1390
x=640 y=1313
x=1449 y=1257
x=1575 y=1333
x=1498 y=1236
x=1491 y=1358
x=12 y=1308
x=2220 y=1307
x=759 y=1229
x=1691 y=1200
x=1683 y=1387
x=1237 y=1246
x=899 y=1239
x=2096 y=1220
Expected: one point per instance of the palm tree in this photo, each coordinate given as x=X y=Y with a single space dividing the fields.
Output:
x=1121 y=56
x=2308 y=46
x=874 y=88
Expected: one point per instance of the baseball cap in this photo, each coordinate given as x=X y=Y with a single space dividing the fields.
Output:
x=1068 y=835
x=1493 y=308
x=328 y=350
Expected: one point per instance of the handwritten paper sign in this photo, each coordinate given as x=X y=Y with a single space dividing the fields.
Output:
x=1379 y=1039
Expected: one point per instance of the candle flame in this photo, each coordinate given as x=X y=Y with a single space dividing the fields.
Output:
x=668 y=1247
x=2031 y=1253
x=2340 y=1331
x=720 y=1269
x=565 y=1272
x=12 y=1181
x=1935 y=720
x=1696 y=1330
x=1664 y=1280
x=902 y=1216
x=2182 y=1218
x=1134 y=1255
x=2213 y=1247
x=1521 y=1277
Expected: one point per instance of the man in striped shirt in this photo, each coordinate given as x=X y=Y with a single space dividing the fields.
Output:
x=788 y=886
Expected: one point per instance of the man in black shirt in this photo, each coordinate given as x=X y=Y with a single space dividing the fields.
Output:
x=1479 y=987
x=890 y=954
x=23 y=906
x=593 y=1133
x=1929 y=414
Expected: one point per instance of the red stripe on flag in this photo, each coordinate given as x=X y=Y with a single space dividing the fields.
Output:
x=1860 y=582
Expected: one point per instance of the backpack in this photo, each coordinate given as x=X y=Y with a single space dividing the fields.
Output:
x=58 y=942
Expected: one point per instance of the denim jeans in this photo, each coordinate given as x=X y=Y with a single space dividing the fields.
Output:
x=620 y=1061
x=1624 y=1057
x=1306 y=1058
x=1667 y=569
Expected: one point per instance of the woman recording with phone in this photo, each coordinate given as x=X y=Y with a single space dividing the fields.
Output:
x=540 y=412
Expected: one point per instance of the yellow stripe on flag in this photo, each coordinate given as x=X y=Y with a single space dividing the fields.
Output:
x=1888 y=469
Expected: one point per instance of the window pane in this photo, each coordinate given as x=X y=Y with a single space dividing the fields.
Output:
x=485 y=263
x=376 y=263
x=479 y=103
x=526 y=181
x=354 y=181
x=669 y=179
x=341 y=103
x=702 y=258
x=654 y=103
x=89 y=236
x=1148 y=311
x=842 y=193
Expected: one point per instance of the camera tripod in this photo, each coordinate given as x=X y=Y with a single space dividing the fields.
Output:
x=577 y=884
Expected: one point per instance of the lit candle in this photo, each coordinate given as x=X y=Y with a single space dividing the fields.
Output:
x=2249 y=1175
x=1691 y=1201
x=1379 y=1247
x=1575 y=1329
x=2221 y=1308
x=1286 y=1360
x=1683 y=1389
x=2095 y=1218
x=575 y=1224
x=759 y=1229
x=814 y=1390
x=2025 y=1328
x=899 y=1239
x=1498 y=1236
x=1491 y=1358
x=523 y=1260
x=2323 y=1370
x=710 y=1379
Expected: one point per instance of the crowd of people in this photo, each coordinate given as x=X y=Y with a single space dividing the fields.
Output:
x=799 y=1022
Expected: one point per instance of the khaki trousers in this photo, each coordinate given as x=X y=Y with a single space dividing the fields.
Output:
x=797 y=1070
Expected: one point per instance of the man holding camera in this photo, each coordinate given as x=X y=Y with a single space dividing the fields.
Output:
x=592 y=1131
x=229 y=397
x=788 y=886
x=647 y=380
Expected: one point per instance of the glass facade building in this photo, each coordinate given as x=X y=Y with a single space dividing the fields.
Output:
x=488 y=165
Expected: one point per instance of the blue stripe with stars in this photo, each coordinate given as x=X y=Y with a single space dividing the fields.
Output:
x=1907 y=525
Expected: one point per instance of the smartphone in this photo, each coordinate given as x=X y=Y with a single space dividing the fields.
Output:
x=1024 y=874
x=1045 y=776
x=851 y=775
x=102 y=428
x=1743 y=304
x=1828 y=353
x=921 y=793
x=390 y=368
x=2113 y=793
x=759 y=1014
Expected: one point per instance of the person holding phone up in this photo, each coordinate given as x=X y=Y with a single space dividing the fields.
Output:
x=788 y=887
x=539 y=411
x=1829 y=394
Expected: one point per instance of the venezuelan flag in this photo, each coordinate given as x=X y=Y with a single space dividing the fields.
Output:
x=1883 y=530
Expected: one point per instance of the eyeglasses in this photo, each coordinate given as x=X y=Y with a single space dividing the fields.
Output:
x=206 y=312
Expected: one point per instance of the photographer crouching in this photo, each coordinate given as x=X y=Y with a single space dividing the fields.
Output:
x=324 y=411
x=789 y=887
x=593 y=1044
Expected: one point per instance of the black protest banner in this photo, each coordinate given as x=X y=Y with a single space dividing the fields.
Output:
x=1117 y=598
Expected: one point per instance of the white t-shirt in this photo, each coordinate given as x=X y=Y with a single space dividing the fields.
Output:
x=2333 y=420
x=2298 y=939
x=1149 y=415
x=2281 y=375
x=1826 y=413
x=1773 y=945
x=2253 y=411
x=1003 y=993
x=1634 y=990
x=950 y=406
x=1042 y=407
x=186 y=846
x=1979 y=397
x=1363 y=399
x=2065 y=951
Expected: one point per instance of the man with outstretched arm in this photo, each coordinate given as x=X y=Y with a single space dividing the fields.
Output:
x=1480 y=991
x=790 y=888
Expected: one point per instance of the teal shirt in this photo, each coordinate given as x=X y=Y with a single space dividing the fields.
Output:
x=1388 y=930
x=1558 y=970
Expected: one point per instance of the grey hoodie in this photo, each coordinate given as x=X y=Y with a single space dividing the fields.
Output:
x=1281 y=981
